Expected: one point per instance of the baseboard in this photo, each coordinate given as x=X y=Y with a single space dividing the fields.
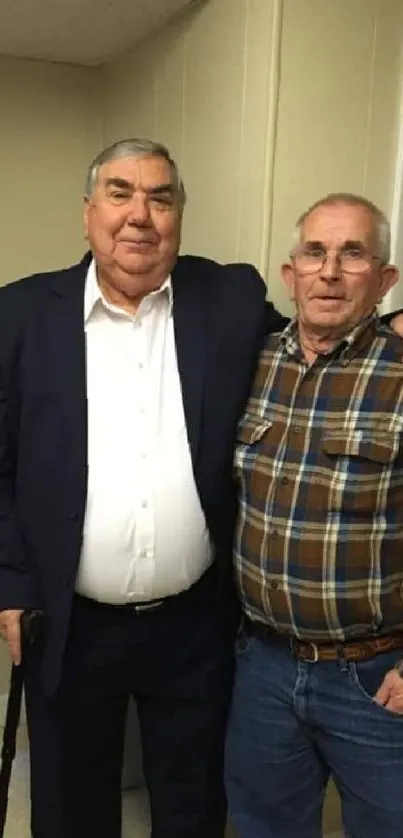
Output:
x=3 y=710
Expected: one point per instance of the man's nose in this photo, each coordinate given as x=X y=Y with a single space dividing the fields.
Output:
x=331 y=268
x=139 y=212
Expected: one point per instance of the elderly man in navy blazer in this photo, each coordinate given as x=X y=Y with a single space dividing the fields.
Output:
x=121 y=383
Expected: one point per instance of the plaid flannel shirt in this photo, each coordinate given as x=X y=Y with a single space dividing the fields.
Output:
x=319 y=463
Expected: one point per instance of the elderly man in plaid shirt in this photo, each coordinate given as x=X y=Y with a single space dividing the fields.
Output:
x=319 y=546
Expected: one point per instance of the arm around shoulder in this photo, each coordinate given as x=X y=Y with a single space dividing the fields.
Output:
x=394 y=320
x=273 y=320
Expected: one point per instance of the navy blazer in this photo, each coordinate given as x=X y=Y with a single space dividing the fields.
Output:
x=220 y=317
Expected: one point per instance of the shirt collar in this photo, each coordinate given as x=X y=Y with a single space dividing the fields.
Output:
x=93 y=296
x=348 y=346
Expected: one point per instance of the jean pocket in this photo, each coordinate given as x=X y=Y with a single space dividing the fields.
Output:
x=243 y=641
x=367 y=677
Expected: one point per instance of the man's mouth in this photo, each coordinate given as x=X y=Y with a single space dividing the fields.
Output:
x=137 y=243
x=328 y=297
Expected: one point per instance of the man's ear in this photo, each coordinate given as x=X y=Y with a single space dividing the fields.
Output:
x=288 y=276
x=389 y=278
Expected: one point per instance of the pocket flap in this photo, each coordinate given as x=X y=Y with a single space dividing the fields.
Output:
x=252 y=428
x=378 y=447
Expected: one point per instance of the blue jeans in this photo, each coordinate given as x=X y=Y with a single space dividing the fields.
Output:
x=292 y=725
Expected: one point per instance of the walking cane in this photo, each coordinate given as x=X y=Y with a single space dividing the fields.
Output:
x=31 y=625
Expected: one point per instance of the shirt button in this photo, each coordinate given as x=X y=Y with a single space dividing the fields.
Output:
x=144 y=504
x=140 y=365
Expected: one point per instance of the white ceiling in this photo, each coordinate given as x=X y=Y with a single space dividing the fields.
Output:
x=79 y=31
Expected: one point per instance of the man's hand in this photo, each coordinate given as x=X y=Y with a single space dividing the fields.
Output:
x=10 y=630
x=390 y=693
x=397 y=324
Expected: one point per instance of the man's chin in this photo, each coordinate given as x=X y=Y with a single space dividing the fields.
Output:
x=328 y=325
x=329 y=317
x=138 y=266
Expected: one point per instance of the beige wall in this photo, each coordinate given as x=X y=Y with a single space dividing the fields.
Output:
x=338 y=109
x=255 y=144
x=50 y=127
x=203 y=87
x=4 y=674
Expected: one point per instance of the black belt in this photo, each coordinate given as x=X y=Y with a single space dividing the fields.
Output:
x=137 y=607
x=199 y=588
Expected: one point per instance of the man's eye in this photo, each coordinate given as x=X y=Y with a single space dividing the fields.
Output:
x=119 y=195
x=353 y=253
x=315 y=253
x=162 y=199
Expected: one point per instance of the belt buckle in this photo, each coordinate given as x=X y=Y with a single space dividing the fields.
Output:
x=315 y=649
x=298 y=654
x=147 y=606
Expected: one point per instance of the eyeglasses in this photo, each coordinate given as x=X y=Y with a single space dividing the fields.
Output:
x=351 y=260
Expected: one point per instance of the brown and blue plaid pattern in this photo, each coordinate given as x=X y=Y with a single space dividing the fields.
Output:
x=319 y=462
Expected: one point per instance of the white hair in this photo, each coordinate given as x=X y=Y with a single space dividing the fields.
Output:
x=134 y=148
x=380 y=220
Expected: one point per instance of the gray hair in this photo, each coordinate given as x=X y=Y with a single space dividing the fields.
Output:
x=134 y=148
x=380 y=220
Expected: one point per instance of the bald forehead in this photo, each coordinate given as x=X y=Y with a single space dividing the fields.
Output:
x=334 y=224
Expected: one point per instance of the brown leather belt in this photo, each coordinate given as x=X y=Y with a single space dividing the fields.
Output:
x=351 y=650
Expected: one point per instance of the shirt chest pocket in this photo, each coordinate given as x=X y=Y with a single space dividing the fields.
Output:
x=253 y=441
x=252 y=429
x=359 y=465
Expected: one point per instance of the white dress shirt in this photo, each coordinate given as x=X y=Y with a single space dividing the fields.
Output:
x=145 y=535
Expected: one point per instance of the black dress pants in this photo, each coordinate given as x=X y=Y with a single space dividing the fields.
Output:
x=176 y=661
